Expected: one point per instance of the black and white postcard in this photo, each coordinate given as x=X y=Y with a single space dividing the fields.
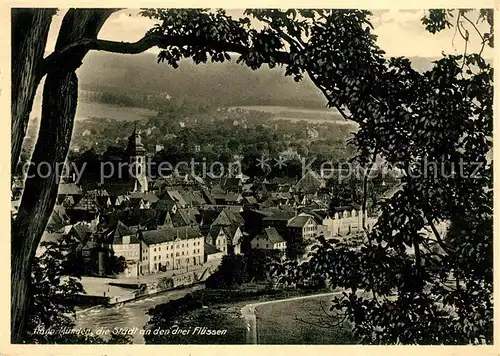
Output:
x=262 y=176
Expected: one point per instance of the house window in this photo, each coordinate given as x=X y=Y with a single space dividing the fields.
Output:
x=154 y=249
x=155 y=266
x=159 y=257
x=267 y=245
x=159 y=248
x=154 y=258
x=194 y=251
x=183 y=253
x=182 y=245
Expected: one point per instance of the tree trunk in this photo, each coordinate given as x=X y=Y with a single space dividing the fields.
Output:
x=30 y=28
x=40 y=192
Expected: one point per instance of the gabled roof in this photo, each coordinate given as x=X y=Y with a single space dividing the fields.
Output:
x=300 y=221
x=51 y=237
x=198 y=197
x=280 y=215
x=121 y=199
x=228 y=217
x=214 y=231
x=147 y=197
x=69 y=189
x=58 y=218
x=165 y=204
x=309 y=183
x=87 y=203
x=318 y=215
x=230 y=232
x=282 y=181
x=210 y=250
x=209 y=216
x=208 y=195
x=100 y=193
x=151 y=237
x=117 y=231
x=176 y=196
x=183 y=217
x=82 y=231
x=68 y=201
x=271 y=235
x=250 y=200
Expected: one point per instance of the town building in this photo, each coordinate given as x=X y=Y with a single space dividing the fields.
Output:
x=125 y=243
x=170 y=248
x=303 y=227
x=269 y=239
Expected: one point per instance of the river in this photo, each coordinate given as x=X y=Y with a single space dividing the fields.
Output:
x=130 y=314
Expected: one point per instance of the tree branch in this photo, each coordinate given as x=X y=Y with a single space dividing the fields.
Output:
x=437 y=235
x=293 y=42
x=147 y=42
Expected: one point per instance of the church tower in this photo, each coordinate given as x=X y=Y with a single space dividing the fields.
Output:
x=138 y=168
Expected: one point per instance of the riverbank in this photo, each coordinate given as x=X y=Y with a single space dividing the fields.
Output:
x=130 y=314
x=214 y=309
x=115 y=291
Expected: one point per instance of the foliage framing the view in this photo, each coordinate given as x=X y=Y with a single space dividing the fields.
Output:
x=427 y=288
x=409 y=118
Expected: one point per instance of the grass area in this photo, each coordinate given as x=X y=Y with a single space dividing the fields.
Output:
x=299 y=114
x=294 y=322
x=224 y=317
x=214 y=309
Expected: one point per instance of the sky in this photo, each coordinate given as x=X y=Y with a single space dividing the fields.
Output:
x=400 y=33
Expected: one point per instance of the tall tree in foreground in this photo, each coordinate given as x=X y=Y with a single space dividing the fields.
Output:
x=407 y=117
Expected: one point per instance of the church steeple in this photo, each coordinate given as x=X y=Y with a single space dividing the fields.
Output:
x=137 y=154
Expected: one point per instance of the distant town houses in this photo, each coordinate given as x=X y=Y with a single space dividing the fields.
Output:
x=269 y=239
x=182 y=222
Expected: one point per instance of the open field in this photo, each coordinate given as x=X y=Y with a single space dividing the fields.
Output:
x=294 y=322
x=86 y=110
x=299 y=114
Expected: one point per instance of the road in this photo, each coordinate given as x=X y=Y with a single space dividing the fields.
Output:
x=248 y=312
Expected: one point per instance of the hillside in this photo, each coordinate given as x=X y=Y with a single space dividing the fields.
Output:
x=222 y=84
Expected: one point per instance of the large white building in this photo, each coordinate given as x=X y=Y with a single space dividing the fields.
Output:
x=346 y=220
x=170 y=248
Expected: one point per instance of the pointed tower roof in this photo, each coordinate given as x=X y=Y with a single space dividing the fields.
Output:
x=135 y=145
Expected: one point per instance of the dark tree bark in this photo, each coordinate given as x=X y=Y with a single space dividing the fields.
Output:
x=40 y=192
x=30 y=28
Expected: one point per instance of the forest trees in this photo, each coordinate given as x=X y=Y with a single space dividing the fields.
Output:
x=409 y=118
x=426 y=286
